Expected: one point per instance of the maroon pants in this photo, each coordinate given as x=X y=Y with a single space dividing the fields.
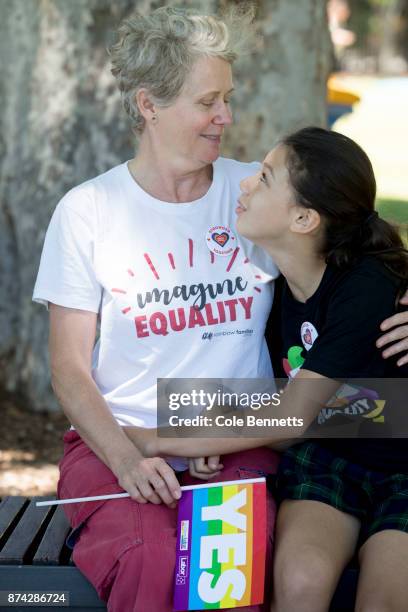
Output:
x=126 y=549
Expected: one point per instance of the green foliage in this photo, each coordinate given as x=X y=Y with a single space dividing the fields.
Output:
x=367 y=21
x=395 y=211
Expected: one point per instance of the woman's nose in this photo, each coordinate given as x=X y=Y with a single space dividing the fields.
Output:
x=224 y=116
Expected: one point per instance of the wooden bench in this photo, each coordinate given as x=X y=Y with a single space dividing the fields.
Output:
x=34 y=557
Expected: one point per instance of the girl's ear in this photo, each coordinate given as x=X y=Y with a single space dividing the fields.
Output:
x=305 y=220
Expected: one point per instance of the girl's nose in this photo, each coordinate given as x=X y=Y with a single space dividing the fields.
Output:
x=244 y=185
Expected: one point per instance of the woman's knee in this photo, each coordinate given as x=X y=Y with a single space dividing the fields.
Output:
x=144 y=533
x=142 y=579
x=120 y=586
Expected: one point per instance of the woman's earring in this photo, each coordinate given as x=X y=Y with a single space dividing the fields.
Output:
x=154 y=118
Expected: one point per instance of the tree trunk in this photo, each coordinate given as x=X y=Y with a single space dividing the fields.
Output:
x=62 y=123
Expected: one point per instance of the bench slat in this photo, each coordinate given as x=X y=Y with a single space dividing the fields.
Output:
x=20 y=540
x=49 y=550
x=10 y=508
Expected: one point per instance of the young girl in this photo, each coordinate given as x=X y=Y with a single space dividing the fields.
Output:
x=312 y=209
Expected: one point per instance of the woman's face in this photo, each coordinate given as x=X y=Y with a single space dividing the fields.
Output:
x=191 y=129
x=266 y=205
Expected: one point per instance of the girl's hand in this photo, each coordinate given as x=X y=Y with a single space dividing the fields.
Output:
x=205 y=468
x=398 y=336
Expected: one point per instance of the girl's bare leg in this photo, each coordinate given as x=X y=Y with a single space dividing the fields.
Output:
x=383 y=582
x=314 y=542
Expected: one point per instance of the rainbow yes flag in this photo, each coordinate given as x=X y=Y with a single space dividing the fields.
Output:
x=221 y=545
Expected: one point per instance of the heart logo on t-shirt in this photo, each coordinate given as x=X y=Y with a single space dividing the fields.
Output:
x=220 y=239
x=309 y=334
x=307 y=337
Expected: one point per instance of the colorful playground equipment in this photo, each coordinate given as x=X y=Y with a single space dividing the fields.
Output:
x=339 y=100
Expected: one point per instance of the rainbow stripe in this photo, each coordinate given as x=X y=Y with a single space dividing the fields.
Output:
x=200 y=537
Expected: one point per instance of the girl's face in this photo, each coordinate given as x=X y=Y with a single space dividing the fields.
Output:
x=266 y=206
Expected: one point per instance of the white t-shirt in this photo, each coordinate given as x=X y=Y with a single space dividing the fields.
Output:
x=176 y=294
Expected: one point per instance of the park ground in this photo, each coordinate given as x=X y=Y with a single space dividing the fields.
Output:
x=379 y=124
x=32 y=443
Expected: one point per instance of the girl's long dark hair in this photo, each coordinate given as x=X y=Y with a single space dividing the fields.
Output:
x=333 y=175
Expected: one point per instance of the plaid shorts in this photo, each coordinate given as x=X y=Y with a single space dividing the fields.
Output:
x=380 y=501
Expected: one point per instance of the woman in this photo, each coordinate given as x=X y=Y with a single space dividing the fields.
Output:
x=141 y=246
x=311 y=207
x=150 y=248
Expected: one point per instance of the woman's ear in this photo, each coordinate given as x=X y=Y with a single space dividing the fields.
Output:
x=145 y=105
x=305 y=220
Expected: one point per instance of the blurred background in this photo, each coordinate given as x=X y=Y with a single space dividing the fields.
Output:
x=341 y=63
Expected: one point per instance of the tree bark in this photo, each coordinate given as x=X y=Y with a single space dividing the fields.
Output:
x=62 y=123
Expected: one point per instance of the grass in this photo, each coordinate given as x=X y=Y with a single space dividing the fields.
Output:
x=395 y=211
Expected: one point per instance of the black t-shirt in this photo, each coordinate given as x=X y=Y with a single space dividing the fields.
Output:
x=333 y=334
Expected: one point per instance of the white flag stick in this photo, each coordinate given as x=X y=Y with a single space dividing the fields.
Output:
x=74 y=500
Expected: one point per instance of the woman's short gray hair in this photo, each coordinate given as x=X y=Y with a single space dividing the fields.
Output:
x=157 y=51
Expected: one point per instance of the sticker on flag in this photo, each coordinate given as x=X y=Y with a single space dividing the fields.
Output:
x=221 y=545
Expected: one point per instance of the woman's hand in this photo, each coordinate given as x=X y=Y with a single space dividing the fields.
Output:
x=398 y=335
x=148 y=479
x=205 y=468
